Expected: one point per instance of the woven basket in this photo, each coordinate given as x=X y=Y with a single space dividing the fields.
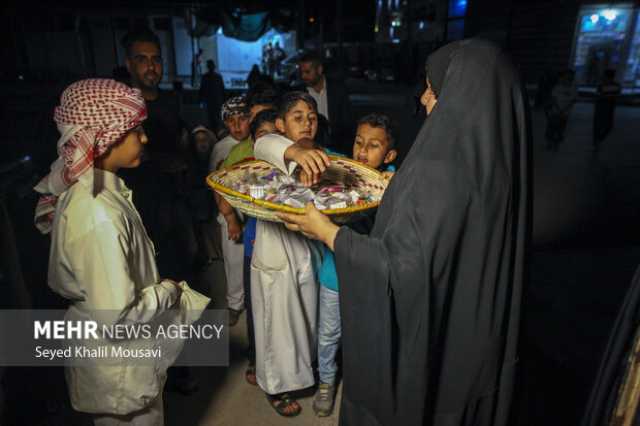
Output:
x=341 y=169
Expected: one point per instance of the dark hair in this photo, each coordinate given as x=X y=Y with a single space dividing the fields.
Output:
x=380 y=121
x=289 y=99
x=211 y=64
x=310 y=56
x=267 y=96
x=142 y=34
x=264 y=116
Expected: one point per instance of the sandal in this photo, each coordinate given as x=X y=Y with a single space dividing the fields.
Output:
x=250 y=375
x=281 y=402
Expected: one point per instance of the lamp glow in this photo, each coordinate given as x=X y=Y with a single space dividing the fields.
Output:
x=610 y=14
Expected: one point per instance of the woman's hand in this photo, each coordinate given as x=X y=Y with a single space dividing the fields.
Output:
x=312 y=224
x=312 y=161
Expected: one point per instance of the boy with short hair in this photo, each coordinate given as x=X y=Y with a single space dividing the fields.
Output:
x=262 y=122
x=236 y=119
x=373 y=146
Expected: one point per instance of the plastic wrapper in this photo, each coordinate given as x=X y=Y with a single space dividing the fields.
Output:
x=279 y=188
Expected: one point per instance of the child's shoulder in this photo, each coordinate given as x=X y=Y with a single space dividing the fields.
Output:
x=86 y=212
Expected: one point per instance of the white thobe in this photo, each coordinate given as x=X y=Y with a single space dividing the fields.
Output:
x=284 y=294
x=103 y=261
x=232 y=251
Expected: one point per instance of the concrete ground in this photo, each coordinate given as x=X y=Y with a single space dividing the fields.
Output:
x=224 y=398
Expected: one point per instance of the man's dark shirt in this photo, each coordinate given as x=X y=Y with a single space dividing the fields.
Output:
x=163 y=125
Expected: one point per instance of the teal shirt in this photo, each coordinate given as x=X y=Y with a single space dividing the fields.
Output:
x=328 y=275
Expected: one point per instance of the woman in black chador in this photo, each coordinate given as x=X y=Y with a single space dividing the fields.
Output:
x=430 y=300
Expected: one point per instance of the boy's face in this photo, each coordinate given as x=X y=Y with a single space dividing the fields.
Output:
x=128 y=152
x=202 y=142
x=301 y=121
x=238 y=126
x=371 y=146
x=266 y=128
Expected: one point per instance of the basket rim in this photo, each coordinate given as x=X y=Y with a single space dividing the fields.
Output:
x=281 y=207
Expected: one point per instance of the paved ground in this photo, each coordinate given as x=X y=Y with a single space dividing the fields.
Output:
x=224 y=397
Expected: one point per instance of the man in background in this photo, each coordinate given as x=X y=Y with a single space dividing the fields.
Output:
x=212 y=94
x=605 y=107
x=332 y=99
x=160 y=183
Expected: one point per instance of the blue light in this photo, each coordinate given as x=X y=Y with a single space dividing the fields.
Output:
x=457 y=8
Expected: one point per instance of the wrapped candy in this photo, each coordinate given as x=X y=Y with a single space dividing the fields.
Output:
x=279 y=188
x=257 y=191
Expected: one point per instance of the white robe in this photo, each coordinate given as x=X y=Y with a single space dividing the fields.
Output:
x=232 y=251
x=284 y=294
x=102 y=260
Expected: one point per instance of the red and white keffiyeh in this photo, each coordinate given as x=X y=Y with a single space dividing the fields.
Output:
x=93 y=115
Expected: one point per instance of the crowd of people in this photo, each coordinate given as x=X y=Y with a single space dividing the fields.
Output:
x=423 y=296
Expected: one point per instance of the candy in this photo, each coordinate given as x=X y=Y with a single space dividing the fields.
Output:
x=257 y=191
x=338 y=205
x=279 y=188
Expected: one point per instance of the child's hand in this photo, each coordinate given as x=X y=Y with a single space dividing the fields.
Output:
x=387 y=175
x=233 y=227
x=306 y=143
x=312 y=161
x=305 y=179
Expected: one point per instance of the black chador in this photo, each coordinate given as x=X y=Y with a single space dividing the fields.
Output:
x=430 y=300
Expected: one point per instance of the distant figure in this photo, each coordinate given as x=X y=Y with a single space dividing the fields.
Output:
x=254 y=76
x=196 y=68
x=332 y=98
x=278 y=55
x=267 y=51
x=546 y=82
x=563 y=97
x=605 y=107
x=212 y=94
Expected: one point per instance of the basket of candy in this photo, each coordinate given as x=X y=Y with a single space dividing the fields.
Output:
x=261 y=190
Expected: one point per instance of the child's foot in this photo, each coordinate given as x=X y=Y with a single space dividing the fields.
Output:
x=234 y=316
x=324 y=400
x=284 y=404
x=250 y=375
